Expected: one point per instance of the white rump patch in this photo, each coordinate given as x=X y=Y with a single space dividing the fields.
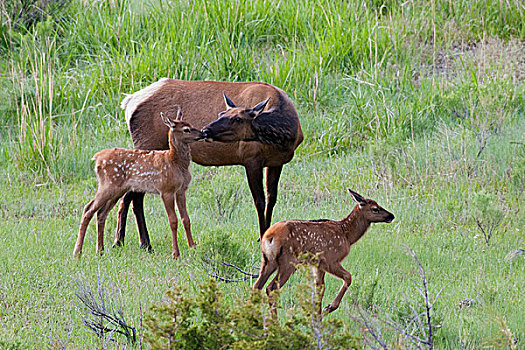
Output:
x=269 y=248
x=131 y=102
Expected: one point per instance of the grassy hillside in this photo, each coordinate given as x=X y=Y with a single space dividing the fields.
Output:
x=417 y=104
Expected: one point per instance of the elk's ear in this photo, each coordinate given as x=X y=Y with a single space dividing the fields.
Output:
x=229 y=103
x=166 y=120
x=259 y=108
x=179 y=113
x=357 y=197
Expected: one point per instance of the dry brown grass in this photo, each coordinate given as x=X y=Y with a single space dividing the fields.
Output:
x=491 y=57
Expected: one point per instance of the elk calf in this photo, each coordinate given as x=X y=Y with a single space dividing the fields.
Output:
x=328 y=240
x=164 y=172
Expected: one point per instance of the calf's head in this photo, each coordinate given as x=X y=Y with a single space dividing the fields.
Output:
x=370 y=210
x=235 y=123
x=180 y=129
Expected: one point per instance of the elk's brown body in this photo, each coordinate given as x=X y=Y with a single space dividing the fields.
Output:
x=201 y=101
x=329 y=241
x=166 y=173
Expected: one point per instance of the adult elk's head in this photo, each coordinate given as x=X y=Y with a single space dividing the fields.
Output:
x=235 y=123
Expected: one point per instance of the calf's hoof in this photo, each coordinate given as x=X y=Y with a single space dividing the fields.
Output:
x=330 y=308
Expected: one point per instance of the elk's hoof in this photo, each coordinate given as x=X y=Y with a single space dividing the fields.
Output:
x=147 y=247
x=330 y=308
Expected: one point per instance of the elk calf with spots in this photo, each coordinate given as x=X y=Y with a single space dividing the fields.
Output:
x=164 y=172
x=329 y=241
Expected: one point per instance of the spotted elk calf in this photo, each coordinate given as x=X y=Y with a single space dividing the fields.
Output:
x=329 y=241
x=164 y=172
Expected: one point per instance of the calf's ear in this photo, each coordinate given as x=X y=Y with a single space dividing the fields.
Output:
x=166 y=120
x=179 y=113
x=357 y=197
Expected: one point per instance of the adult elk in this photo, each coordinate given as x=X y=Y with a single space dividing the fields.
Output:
x=328 y=241
x=274 y=136
x=164 y=172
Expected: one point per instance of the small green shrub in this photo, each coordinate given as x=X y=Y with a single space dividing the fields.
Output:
x=205 y=320
x=486 y=213
x=11 y=345
x=517 y=174
x=216 y=245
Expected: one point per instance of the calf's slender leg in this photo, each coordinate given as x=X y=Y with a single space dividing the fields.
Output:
x=84 y=222
x=268 y=267
x=101 y=198
x=320 y=287
x=169 y=204
x=102 y=215
x=285 y=270
x=337 y=270
x=185 y=218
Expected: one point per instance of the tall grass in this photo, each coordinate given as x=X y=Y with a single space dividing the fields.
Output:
x=322 y=53
x=38 y=143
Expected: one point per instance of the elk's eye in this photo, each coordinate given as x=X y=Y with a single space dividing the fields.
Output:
x=375 y=210
x=237 y=119
x=187 y=131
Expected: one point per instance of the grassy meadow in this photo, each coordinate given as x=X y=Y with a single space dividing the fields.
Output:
x=417 y=104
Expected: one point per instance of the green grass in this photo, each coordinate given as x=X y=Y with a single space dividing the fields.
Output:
x=419 y=105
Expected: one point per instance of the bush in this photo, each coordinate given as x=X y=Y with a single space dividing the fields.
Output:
x=487 y=214
x=209 y=321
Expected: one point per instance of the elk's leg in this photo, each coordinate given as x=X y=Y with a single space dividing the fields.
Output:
x=337 y=270
x=255 y=181
x=285 y=269
x=138 y=210
x=320 y=287
x=90 y=209
x=102 y=215
x=121 y=221
x=185 y=218
x=272 y=184
x=169 y=204
x=84 y=222
x=268 y=267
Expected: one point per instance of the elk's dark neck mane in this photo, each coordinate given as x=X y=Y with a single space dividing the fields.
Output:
x=273 y=129
x=179 y=152
x=354 y=226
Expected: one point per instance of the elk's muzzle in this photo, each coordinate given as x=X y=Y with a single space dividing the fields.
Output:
x=206 y=134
